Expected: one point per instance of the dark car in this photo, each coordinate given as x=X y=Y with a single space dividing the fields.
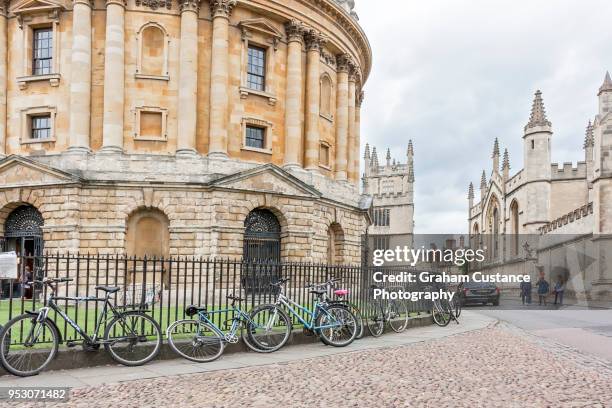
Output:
x=480 y=292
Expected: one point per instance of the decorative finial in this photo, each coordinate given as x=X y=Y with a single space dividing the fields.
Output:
x=607 y=84
x=388 y=157
x=374 y=157
x=589 y=139
x=471 y=191
x=367 y=151
x=538 y=113
x=483 y=180
x=495 y=148
x=506 y=162
x=410 y=148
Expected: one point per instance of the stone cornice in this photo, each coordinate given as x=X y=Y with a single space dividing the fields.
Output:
x=295 y=31
x=315 y=41
x=189 y=5
x=221 y=8
x=155 y=4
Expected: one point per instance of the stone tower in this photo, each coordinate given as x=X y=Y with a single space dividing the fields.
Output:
x=392 y=188
x=537 y=162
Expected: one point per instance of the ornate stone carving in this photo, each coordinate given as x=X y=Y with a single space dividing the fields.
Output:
x=189 y=5
x=155 y=4
x=3 y=7
x=328 y=58
x=315 y=41
x=344 y=63
x=360 y=97
x=221 y=8
x=295 y=30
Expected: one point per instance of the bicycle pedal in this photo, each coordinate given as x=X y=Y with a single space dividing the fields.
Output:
x=71 y=343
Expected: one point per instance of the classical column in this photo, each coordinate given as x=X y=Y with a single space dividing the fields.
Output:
x=314 y=43
x=358 y=102
x=188 y=79
x=220 y=11
x=80 y=77
x=114 y=77
x=352 y=96
x=342 y=116
x=293 y=105
x=3 y=73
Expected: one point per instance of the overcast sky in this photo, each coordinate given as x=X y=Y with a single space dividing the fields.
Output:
x=454 y=74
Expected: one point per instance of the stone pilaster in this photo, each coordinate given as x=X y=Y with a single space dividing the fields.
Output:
x=188 y=78
x=352 y=97
x=314 y=44
x=357 y=146
x=3 y=74
x=342 y=116
x=80 y=78
x=220 y=11
x=114 y=77
x=293 y=106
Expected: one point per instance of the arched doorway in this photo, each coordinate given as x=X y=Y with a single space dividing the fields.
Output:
x=262 y=236
x=23 y=234
x=261 y=252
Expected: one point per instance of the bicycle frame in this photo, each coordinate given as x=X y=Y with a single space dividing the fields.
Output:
x=310 y=325
x=236 y=320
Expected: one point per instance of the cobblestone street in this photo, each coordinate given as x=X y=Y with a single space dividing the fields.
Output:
x=494 y=366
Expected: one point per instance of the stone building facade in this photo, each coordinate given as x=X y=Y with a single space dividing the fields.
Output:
x=391 y=186
x=553 y=207
x=184 y=127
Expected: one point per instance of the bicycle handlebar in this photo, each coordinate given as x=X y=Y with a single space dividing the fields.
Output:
x=51 y=280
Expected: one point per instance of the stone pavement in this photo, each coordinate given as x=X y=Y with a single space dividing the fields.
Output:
x=95 y=376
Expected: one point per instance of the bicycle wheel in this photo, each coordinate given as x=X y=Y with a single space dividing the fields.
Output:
x=133 y=338
x=337 y=326
x=268 y=330
x=27 y=346
x=195 y=341
x=360 y=322
x=376 y=323
x=457 y=304
x=440 y=316
x=398 y=316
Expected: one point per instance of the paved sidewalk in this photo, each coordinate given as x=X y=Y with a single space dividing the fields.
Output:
x=96 y=376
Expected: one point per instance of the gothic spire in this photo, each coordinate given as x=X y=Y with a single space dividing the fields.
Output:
x=538 y=113
x=483 y=180
x=471 y=191
x=388 y=157
x=589 y=139
x=410 y=148
x=506 y=162
x=367 y=151
x=374 y=157
x=495 y=148
x=607 y=84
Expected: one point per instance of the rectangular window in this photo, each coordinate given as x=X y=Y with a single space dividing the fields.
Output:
x=42 y=51
x=324 y=155
x=256 y=69
x=41 y=127
x=255 y=137
x=382 y=242
x=382 y=217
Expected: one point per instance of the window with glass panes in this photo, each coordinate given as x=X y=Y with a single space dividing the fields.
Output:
x=42 y=51
x=41 y=127
x=255 y=137
x=256 y=70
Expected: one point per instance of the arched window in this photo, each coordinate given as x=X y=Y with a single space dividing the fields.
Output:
x=493 y=226
x=148 y=236
x=262 y=236
x=514 y=218
x=335 y=242
x=153 y=52
x=326 y=96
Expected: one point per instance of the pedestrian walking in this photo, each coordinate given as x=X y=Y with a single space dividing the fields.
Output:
x=543 y=288
x=559 y=290
x=526 y=292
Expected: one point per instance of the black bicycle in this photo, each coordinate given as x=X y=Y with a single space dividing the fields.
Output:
x=29 y=342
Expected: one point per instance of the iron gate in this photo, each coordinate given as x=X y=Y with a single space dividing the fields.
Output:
x=262 y=245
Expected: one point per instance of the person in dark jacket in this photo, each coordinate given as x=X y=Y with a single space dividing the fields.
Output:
x=543 y=288
x=526 y=292
x=559 y=290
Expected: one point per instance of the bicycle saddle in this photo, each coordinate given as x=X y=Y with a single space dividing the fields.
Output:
x=236 y=298
x=341 y=292
x=109 y=289
x=194 y=310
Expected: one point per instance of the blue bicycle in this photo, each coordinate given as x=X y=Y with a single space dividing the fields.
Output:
x=334 y=323
x=199 y=339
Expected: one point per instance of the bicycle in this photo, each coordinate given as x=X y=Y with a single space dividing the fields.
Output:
x=132 y=338
x=395 y=313
x=444 y=310
x=200 y=340
x=342 y=300
x=334 y=324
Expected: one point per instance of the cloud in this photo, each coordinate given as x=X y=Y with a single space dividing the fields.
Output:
x=453 y=75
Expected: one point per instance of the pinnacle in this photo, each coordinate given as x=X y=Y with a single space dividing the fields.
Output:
x=483 y=179
x=506 y=163
x=388 y=154
x=495 y=148
x=411 y=173
x=607 y=84
x=471 y=192
x=538 y=113
x=410 y=148
x=367 y=151
x=589 y=139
